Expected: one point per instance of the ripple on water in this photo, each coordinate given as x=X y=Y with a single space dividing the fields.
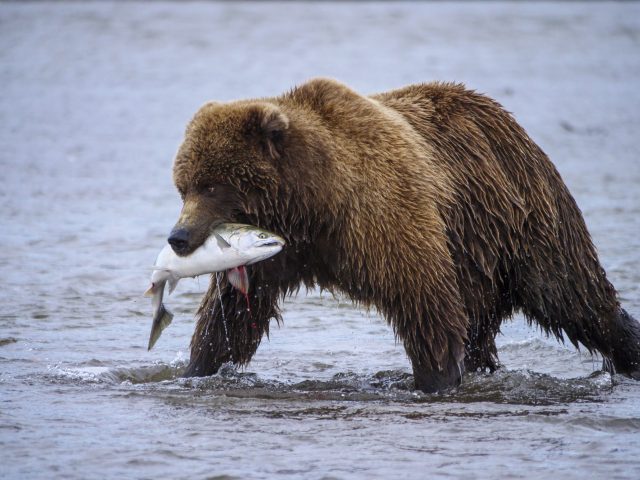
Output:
x=531 y=388
x=94 y=372
x=7 y=341
x=514 y=387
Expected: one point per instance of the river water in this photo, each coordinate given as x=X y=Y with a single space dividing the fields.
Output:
x=95 y=97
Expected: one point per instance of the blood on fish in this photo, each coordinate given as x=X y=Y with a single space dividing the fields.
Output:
x=243 y=284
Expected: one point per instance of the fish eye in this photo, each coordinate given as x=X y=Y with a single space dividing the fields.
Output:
x=262 y=236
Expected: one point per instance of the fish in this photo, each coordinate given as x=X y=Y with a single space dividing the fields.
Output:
x=230 y=247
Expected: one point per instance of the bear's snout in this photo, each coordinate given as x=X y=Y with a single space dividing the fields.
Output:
x=179 y=240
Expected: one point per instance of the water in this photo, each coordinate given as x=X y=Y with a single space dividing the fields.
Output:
x=95 y=100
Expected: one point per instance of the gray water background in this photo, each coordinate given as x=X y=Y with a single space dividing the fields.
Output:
x=95 y=97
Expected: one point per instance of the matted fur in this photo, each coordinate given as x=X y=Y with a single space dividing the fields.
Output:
x=429 y=203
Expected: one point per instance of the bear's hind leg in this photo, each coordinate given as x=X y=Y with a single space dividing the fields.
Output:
x=624 y=340
x=481 y=354
x=585 y=308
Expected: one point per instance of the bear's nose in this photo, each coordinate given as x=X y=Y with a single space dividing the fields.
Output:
x=179 y=240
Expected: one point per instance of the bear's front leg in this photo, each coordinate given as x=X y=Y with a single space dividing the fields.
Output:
x=431 y=378
x=433 y=329
x=227 y=328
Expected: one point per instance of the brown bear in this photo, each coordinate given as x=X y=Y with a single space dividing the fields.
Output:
x=429 y=203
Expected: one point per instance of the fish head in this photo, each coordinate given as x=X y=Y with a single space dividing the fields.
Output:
x=252 y=243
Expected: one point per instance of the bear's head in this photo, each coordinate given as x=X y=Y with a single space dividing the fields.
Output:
x=226 y=170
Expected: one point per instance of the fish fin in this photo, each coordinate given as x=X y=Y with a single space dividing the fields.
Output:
x=173 y=282
x=222 y=243
x=150 y=291
x=239 y=278
x=164 y=319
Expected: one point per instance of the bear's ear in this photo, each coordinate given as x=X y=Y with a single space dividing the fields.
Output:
x=272 y=125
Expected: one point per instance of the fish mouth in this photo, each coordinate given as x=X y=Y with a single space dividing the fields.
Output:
x=273 y=243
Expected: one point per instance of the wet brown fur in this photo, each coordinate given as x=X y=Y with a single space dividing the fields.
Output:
x=429 y=203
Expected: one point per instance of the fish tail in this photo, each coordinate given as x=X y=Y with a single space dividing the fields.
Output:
x=163 y=320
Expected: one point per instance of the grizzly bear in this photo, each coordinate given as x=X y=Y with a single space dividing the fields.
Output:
x=429 y=203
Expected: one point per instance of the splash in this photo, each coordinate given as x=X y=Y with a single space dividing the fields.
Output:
x=224 y=317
